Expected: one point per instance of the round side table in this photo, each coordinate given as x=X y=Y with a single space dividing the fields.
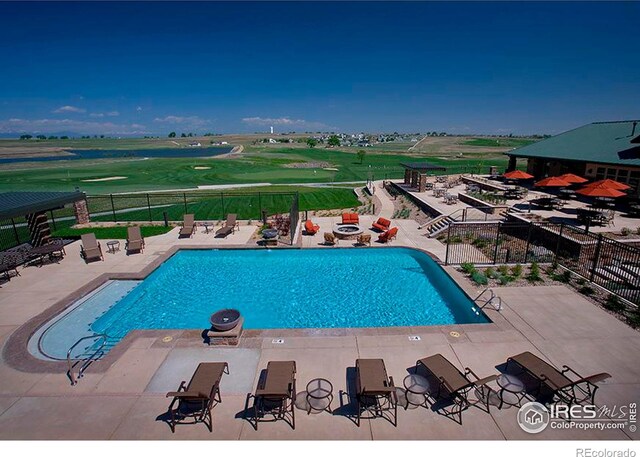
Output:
x=319 y=395
x=512 y=390
x=113 y=246
x=417 y=387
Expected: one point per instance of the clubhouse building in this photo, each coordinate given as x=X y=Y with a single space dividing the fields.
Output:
x=596 y=151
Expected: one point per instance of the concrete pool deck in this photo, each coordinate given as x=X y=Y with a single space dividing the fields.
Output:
x=126 y=399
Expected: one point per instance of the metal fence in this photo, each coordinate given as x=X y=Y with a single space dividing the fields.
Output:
x=608 y=263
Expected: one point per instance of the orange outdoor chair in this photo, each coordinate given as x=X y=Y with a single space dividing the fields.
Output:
x=350 y=218
x=388 y=235
x=381 y=224
x=310 y=227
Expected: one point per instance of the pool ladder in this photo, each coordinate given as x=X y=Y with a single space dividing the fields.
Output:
x=493 y=299
x=84 y=361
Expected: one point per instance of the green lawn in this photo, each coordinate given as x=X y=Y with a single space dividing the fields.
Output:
x=499 y=142
x=117 y=233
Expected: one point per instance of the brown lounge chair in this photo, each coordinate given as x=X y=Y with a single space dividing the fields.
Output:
x=310 y=227
x=381 y=224
x=229 y=226
x=453 y=385
x=375 y=392
x=330 y=239
x=557 y=383
x=135 y=242
x=188 y=226
x=201 y=394
x=388 y=235
x=276 y=393
x=90 y=248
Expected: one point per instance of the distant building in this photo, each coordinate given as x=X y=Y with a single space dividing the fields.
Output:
x=597 y=151
x=194 y=144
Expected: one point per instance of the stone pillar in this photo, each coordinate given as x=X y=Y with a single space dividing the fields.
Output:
x=407 y=176
x=81 y=211
x=422 y=183
x=512 y=164
x=414 y=178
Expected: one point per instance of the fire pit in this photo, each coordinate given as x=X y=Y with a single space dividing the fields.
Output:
x=269 y=233
x=347 y=231
x=225 y=319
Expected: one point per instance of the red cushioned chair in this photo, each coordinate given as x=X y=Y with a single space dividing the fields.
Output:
x=381 y=224
x=388 y=235
x=350 y=218
x=310 y=227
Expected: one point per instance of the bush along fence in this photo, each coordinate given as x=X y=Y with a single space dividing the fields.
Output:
x=613 y=265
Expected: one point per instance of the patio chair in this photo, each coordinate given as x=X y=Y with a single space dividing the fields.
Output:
x=381 y=224
x=388 y=235
x=275 y=393
x=90 y=248
x=9 y=261
x=229 y=226
x=375 y=391
x=310 y=227
x=135 y=242
x=196 y=400
x=188 y=226
x=454 y=386
x=330 y=239
x=555 y=382
x=350 y=218
x=363 y=239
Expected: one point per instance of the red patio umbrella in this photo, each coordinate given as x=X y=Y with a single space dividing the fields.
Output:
x=552 y=181
x=517 y=174
x=600 y=191
x=572 y=179
x=609 y=184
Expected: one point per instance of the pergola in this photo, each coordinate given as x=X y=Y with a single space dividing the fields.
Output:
x=415 y=173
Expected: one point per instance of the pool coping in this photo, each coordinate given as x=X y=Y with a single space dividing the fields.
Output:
x=17 y=355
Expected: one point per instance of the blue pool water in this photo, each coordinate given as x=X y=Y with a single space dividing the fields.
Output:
x=308 y=288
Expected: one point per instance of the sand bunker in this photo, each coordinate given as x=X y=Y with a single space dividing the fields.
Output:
x=330 y=169
x=202 y=168
x=110 y=178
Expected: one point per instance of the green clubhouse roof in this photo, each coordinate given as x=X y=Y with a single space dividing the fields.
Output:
x=14 y=204
x=616 y=143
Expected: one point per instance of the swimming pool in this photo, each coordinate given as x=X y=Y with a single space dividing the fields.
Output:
x=290 y=288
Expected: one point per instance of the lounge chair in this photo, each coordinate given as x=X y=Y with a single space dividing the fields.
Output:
x=453 y=385
x=310 y=227
x=330 y=239
x=9 y=261
x=188 y=226
x=375 y=392
x=350 y=218
x=388 y=235
x=276 y=393
x=381 y=224
x=196 y=400
x=90 y=248
x=135 y=242
x=557 y=383
x=229 y=226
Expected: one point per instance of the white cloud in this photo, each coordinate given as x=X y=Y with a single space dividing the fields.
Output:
x=139 y=108
x=96 y=114
x=108 y=113
x=286 y=121
x=69 y=109
x=184 y=121
x=16 y=125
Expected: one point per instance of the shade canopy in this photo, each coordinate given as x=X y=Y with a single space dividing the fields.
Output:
x=517 y=174
x=572 y=179
x=600 y=191
x=15 y=204
x=609 y=184
x=552 y=181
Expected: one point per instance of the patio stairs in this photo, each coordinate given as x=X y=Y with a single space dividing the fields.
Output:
x=437 y=225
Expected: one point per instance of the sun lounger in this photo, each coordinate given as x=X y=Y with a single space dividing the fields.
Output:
x=381 y=224
x=196 y=400
x=350 y=218
x=229 y=226
x=388 y=235
x=188 y=226
x=453 y=385
x=552 y=381
x=90 y=248
x=276 y=393
x=375 y=391
x=310 y=227
x=135 y=242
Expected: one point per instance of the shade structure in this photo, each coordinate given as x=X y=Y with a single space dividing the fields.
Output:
x=552 y=181
x=609 y=184
x=572 y=179
x=600 y=191
x=517 y=174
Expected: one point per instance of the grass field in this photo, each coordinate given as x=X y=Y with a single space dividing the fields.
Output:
x=499 y=142
x=105 y=233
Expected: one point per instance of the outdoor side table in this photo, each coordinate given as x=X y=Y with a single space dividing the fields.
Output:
x=417 y=387
x=207 y=227
x=512 y=390
x=319 y=395
x=113 y=246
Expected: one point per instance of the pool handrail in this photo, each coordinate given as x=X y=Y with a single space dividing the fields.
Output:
x=86 y=361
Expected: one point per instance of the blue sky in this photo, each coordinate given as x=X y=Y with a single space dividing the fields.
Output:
x=143 y=68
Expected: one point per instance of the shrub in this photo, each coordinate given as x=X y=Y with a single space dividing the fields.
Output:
x=581 y=281
x=565 y=277
x=586 y=290
x=614 y=304
x=504 y=280
x=625 y=231
x=479 y=278
x=468 y=268
x=633 y=319
x=534 y=273
x=503 y=269
x=552 y=268
x=490 y=273
x=516 y=270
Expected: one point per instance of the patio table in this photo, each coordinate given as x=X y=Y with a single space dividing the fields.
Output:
x=54 y=250
x=417 y=387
